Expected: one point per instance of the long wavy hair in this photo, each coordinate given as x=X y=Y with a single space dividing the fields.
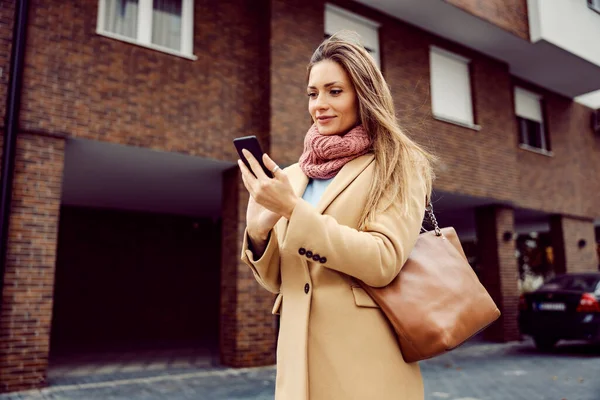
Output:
x=397 y=157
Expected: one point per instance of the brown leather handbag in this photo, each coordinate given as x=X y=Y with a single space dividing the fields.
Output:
x=436 y=302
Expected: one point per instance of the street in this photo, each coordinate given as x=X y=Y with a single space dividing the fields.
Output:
x=476 y=371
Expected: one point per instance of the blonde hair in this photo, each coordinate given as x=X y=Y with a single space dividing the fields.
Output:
x=397 y=157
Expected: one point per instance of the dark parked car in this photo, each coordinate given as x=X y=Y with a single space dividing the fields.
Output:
x=565 y=307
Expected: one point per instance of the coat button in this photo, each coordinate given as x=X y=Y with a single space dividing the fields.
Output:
x=323 y=260
x=306 y=288
x=302 y=251
x=316 y=257
x=309 y=254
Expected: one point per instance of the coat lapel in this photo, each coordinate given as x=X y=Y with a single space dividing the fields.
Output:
x=299 y=181
x=297 y=178
x=345 y=177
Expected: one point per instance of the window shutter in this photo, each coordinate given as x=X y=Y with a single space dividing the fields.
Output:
x=337 y=19
x=528 y=105
x=451 y=86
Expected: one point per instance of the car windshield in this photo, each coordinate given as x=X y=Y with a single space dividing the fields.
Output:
x=572 y=282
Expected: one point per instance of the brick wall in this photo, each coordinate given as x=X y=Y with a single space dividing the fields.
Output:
x=30 y=264
x=230 y=242
x=499 y=272
x=579 y=259
x=131 y=278
x=89 y=86
x=567 y=182
x=510 y=15
x=597 y=229
x=469 y=159
x=565 y=233
x=509 y=274
x=248 y=330
x=7 y=16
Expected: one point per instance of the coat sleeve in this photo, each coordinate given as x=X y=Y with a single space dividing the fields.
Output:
x=374 y=255
x=266 y=268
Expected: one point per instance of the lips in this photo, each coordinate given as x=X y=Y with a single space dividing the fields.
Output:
x=325 y=118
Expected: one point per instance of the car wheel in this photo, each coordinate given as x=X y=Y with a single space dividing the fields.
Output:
x=545 y=343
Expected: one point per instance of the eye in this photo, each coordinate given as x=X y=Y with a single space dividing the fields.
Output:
x=335 y=92
x=312 y=95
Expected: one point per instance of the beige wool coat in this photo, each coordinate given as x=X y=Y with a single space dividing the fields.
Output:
x=334 y=342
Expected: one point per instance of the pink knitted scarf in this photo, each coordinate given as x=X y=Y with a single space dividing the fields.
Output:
x=324 y=155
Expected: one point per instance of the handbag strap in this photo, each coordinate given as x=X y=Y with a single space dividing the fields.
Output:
x=432 y=219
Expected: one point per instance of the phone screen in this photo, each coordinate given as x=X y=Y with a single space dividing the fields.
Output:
x=251 y=144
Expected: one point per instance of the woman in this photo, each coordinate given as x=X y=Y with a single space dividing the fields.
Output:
x=350 y=209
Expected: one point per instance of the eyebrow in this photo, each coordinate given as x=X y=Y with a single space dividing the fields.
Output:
x=326 y=85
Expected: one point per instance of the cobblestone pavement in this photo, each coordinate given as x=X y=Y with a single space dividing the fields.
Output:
x=478 y=371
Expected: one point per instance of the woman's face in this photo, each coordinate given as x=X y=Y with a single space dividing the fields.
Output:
x=332 y=100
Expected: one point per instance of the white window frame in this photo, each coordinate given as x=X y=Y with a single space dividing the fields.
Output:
x=337 y=19
x=531 y=113
x=144 y=31
x=469 y=122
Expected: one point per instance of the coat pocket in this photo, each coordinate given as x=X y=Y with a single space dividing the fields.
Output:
x=362 y=299
x=277 y=305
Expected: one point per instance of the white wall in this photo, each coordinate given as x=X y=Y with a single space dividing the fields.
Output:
x=568 y=24
x=591 y=100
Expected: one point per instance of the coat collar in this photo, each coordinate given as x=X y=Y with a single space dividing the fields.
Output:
x=345 y=177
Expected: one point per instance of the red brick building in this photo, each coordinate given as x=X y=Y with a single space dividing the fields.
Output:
x=127 y=210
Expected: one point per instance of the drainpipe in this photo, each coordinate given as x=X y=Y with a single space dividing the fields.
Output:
x=11 y=125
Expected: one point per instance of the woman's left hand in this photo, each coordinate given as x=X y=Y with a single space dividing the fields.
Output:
x=276 y=194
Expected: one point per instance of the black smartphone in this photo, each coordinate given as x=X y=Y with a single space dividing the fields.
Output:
x=251 y=144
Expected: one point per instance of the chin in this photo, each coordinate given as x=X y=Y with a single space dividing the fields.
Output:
x=328 y=131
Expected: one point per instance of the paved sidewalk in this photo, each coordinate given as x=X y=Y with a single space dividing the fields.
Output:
x=514 y=371
x=477 y=371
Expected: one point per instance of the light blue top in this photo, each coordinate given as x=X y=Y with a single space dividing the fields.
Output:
x=315 y=189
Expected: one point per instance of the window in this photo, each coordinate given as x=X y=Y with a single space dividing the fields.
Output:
x=530 y=117
x=594 y=5
x=337 y=19
x=583 y=283
x=165 y=25
x=451 y=88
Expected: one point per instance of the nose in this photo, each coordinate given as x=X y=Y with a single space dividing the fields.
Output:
x=321 y=103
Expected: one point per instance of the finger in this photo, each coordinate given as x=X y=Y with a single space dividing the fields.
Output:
x=248 y=188
x=245 y=170
x=271 y=165
x=246 y=185
x=246 y=176
x=256 y=168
